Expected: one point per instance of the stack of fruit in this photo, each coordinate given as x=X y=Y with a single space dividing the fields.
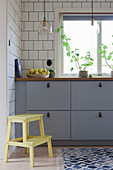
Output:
x=38 y=73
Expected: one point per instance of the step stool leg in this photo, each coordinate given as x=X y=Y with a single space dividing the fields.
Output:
x=32 y=156
x=41 y=126
x=27 y=149
x=50 y=148
x=7 y=140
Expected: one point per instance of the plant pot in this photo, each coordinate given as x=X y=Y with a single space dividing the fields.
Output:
x=83 y=74
x=52 y=74
x=112 y=74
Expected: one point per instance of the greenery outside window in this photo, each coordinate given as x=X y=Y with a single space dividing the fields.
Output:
x=86 y=37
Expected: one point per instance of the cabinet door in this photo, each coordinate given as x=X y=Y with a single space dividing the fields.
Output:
x=87 y=125
x=48 y=95
x=92 y=95
x=56 y=124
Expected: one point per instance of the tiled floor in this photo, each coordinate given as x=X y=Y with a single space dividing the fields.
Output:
x=20 y=161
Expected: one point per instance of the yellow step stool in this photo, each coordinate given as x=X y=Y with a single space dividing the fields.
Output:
x=27 y=141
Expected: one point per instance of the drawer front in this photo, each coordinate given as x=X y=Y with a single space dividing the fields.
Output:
x=56 y=124
x=87 y=125
x=92 y=95
x=48 y=96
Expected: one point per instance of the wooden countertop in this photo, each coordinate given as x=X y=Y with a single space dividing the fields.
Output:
x=63 y=79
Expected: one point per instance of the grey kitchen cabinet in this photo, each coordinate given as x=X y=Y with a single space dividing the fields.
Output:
x=56 y=124
x=48 y=96
x=71 y=109
x=92 y=125
x=92 y=95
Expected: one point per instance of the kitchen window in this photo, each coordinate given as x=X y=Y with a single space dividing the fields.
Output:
x=86 y=37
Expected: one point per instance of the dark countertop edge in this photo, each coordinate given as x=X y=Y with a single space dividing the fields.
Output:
x=63 y=79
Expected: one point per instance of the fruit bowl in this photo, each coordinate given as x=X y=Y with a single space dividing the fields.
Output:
x=37 y=76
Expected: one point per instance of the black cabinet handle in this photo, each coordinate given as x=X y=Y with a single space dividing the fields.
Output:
x=48 y=85
x=100 y=84
x=100 y=114
x=48 y=115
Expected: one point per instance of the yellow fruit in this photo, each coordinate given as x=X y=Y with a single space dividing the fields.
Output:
x=43 y=72
x=47 y=73
x=28 y=74
x=40 y=70
x=37 y=73
x=31 y=71
x=36 y=70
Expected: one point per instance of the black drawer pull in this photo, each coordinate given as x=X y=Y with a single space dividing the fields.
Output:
x=100 y=84
x=48 y=114
x=100 y=114
x=48 y=85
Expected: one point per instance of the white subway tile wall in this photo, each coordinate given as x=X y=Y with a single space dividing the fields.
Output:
x=14 y=51
x=38 y=48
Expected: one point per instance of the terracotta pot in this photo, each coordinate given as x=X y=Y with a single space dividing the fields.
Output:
x=83 y=74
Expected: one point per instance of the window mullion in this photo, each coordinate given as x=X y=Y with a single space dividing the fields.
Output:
x=99 y=60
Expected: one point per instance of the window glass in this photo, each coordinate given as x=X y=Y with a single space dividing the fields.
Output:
x=83 y=37
x=107 y=39
x=87 y=38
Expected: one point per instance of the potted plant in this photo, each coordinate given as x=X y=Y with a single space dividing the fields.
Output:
x=52 y=73
x=108 y=57
x=81 y=62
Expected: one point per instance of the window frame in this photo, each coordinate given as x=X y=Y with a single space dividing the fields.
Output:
x=58 y=14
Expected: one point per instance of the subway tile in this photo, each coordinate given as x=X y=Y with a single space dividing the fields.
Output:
x=28 y=6
x=37 y=45
x=33 y=35
x=38 y=6
x=42 y=54
x=38 y=64
x=28 y=64
x=42 y=37
x=24 y=72
x=51 y=54
x=28 y=45
x=76 y=5
x=24 y=16
x=33 y=55
x=33 y=16
x=47 y=45
x=28 y=26
x=48 y=6
x=24 y=55
x=105 y=5
x=24 y=35
x=67 y=5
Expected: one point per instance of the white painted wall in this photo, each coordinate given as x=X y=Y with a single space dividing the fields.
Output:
x=14 y=52
x=3 y=74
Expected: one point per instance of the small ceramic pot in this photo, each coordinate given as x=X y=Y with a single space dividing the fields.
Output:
x=52 y=74
x=83 y=74
x=112 y=74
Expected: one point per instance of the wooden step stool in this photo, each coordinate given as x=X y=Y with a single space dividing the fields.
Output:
x=27 y=141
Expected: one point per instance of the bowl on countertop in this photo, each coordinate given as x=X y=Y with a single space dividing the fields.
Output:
x=37 y=76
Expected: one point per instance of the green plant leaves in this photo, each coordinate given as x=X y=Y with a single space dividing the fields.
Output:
x=105 y=47
x=81 y=62
x=99 y=50
x=63 y=36
x=71 y=61
x=72 y=68
x=69 y=54
x=58 y=30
